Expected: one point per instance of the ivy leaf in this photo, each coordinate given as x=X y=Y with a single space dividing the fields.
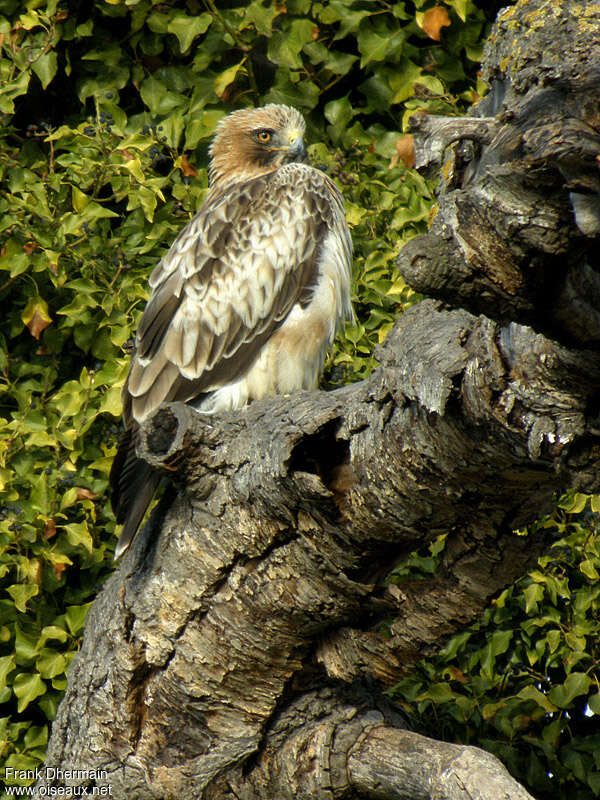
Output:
x=49 y=704
x=285 y=46
x=79 y=535
x=338 y=11
x=112 y=402
x=433 y=20
x=145 y=198
x=27 y=687
x=158 y=22
x=52 y=632
x=373 y=46
x=340 y=63
x=45 y=67
x=438 y=693
x=36 y=316
x=36 y=736
x=460 y=6
x=29 y=20
x=134 y=167
x=260 y=16
x=158 y=98
x=75 y=617
x=26 y=646
x=589 y=569
x=405 y=151
x=576 y=683
x=50 y=663
x=186 y=28
x=201 y=127
x=539 y=698
x=354 y=214
x=403 y=81
x=498 y=644
x=79 y=199
x=574 y=503
x=59 y=562
x=533 y=594
x=553 y=640
x=594 y=703
x=226 y=78
x=7 y=665
x=173 y=129
x=339 y=112
x=21 y=593
x=11 y=90
x=38 y=496
x=303 y=94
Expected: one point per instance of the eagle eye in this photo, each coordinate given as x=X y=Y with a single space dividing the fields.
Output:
x=264 y=135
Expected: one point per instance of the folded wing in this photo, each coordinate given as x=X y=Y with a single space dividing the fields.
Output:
x=228 y=282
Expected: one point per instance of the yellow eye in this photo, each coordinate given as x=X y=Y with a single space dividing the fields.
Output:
x=264 y=136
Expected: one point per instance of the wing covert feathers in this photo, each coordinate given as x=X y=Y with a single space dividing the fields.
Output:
x=234 y=273
x=231 y=277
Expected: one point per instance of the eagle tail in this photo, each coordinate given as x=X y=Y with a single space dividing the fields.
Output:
x=133 y=484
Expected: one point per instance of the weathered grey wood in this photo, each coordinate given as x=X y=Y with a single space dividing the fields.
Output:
x=382 y=765
x=504 y=242
x=236 y=652
x=263 y=565
x=434 y=134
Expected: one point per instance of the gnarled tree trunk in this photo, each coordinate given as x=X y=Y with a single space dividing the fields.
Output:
x=234 y=653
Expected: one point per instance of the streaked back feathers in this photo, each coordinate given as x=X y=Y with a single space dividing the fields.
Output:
x=250 y=295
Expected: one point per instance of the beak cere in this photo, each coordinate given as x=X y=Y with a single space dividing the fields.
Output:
x=296 y=149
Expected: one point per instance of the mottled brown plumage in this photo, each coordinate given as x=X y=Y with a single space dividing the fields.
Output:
x=248 y=299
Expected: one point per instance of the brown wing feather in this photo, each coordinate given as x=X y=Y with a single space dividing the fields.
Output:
x=229 y=280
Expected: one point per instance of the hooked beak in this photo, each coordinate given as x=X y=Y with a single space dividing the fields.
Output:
x=296 y=148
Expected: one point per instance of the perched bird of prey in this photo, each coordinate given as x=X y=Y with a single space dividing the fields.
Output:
x=248 y=299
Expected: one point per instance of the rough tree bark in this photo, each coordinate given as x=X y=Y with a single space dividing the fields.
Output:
x=235 y=652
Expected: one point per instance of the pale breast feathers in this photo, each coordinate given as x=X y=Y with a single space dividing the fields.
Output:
x=229 y=280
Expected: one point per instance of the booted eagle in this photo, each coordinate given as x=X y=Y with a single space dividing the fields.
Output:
x=247 y=301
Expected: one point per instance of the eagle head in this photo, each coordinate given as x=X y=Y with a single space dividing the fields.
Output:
x=255 y=141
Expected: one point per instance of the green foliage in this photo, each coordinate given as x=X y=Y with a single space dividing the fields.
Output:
x=524 y=683
x=106 y=112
